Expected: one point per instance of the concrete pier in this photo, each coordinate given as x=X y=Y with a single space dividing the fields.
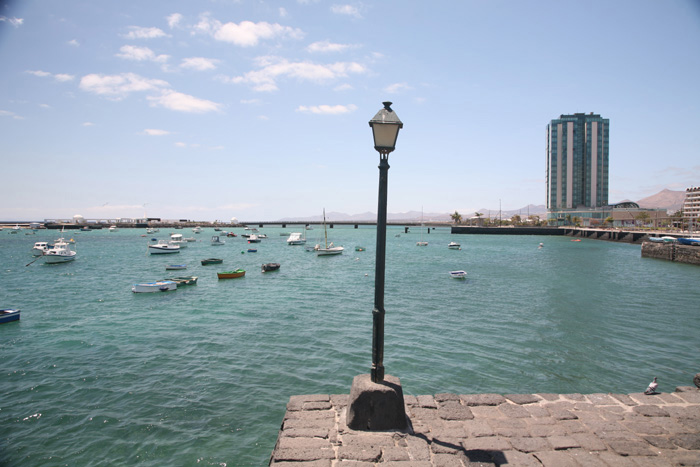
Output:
x=494 y=430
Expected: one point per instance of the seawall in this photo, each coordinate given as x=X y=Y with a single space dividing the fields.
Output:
x=500 y=430
x=672 y=252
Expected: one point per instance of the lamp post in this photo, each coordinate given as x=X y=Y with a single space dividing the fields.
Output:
x=376 y=400
x=385 y=129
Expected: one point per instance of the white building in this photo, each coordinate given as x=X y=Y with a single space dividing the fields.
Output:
x=691 y=207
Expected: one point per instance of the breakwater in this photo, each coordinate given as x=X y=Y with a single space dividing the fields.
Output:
x=613 y=235
x=672 y=252
x=493 y=429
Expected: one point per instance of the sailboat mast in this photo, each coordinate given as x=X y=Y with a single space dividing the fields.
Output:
x=325 y=232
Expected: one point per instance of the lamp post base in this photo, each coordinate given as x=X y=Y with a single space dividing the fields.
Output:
x=376 y=406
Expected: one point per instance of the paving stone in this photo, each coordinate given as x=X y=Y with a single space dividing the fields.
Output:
x=563 y=442
x=692 y=397
x=520 y=459
x=442 y=397
x=624 y=398
x=650 y=411
x=340 y=400
x=317 y=405
x=530 y=444
x=482 y=399
x=626 y=447
x=574 y=397
x=394 y=453
x=615 y=460
x=547 y=430
x=514 y=411
x=308 y=423
x=357 y=453
x=489 y=443
x=449 y=460
x=455 y=412
x=573 y=426
x=643 y=461
x=661 y=442
x=306 y=455
x=304 y=443
x=312 y=432
x=347 y=463
x=318 y=463
x=521 y=399
x=563 y=415
x=310 y=414
x=601 y=399
x=446 y=445
x=645 y=428
x=548 y=396
x=682 y=457
x=486 y=412
x=358 y=438
x=427 y=401
x=556 y=459
x=687 y=441
x=589 y=442
x=478 y=428
x=586 y=459
x=537 y=411
x=413 y=463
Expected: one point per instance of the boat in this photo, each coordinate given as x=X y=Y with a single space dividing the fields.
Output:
x=253 y=239
x=359 y=248
x=454 y=246
x=216 y=241
x=664 y=239
x=252 y=229
x=158 y=286
x=15 y=229
x=197 y=230
x=85 y=229
x=208 y=261
x=176 y=239
x=113 y=228
x=40 y=248
x=329 y=249
x=270 y=267
x=175 y=267
x=60 y=253
x=295 y=238
x=231 y=274
x=262 y=235
x=458 y=274
x=9 y=314
x=163 y=247
x=217 y=229
x=688 y=241
x=184 y=280
x=231 y=234
x=189 y=239
x=576 y=240
x=421 y=242
x=252 y=250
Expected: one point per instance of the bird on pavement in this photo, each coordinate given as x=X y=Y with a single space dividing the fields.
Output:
x=652 y=387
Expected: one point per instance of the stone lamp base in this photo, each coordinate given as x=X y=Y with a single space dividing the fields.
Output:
x=376 y=406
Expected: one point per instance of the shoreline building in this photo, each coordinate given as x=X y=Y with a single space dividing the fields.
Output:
x=691 y=208
x=577 y=168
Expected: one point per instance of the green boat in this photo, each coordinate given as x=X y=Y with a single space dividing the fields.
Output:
x=212 y=261
x=231 y=274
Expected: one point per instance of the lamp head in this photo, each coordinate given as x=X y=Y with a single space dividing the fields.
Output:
x=385 y=129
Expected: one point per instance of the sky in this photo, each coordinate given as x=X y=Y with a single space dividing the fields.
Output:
x=259 y=110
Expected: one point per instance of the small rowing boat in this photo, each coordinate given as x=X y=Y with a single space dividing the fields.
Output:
x=231 y=274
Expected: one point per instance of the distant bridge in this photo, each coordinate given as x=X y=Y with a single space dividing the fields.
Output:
x=356 y=224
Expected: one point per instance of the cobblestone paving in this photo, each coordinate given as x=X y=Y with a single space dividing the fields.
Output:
x=492 y=430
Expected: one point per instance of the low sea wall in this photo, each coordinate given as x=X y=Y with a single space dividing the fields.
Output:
x=508 y=230
x=672 y=252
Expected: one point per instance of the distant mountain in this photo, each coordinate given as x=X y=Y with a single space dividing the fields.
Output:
x=665 y=199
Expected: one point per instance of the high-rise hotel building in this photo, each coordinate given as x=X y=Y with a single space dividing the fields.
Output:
x=577 y=167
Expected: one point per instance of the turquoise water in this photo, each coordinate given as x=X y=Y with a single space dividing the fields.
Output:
x=96 y=375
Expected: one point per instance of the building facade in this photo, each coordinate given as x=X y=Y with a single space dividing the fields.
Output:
x=691 y=208
x=577 y=167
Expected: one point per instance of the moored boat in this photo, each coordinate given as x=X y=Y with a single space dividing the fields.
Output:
x=295 y=238
x=253 y=239
x=158 y=286
x=328 y=249
x=184 y=280
x=175 y=267
x=458 y=274
x=231 y=274
x=60 y=253
x=231 y=234
x=40 y=248
x=208 y=261
x=267 y=267
x=216 y=241
x=9 y=314
x=454 y=246
x=359 y=248
x=163 y=247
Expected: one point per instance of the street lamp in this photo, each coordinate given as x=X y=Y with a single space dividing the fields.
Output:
x=376 y=400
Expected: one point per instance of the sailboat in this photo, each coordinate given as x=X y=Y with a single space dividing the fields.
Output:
x=421 y=243
x=329 y=249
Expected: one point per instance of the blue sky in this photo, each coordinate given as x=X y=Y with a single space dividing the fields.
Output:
x=258 y=110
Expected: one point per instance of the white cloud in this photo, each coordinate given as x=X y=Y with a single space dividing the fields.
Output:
x=199 y=63
x=180 y=144
x=63 y=77
x=282 y=12
x=7 y=113
x=88 y=124
x=348 y=10
x=174 y=20
x=246 y=33
x=397 y=87
x=327 y=109
x=119 y=86
x=132 y=52
x=343 y=87
x=16 y=22
x=74 y=43
x=325 y=46
x=180 y=102
x=154 y=132
x=42 y=74
x=272 y=68
x=137 y=32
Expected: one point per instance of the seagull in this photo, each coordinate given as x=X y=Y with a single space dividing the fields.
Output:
x=652 y=387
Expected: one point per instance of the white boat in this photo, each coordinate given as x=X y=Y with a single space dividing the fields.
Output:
x=60 y=253
x=216 y=241
x=197 y=230
x=454 y=246
x=253 y=239
x=113 y=228
x=329 y=249
x=295 y=238
x=665 y=239
x=40 y=248
x=421 y=242
x=175 y=267
x=458 y=274
x=15 y=229
x=176 y=239
x=158 y=286
x=163 y=247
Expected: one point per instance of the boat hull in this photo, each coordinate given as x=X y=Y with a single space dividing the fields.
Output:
x=689 y=241
x=159 y=286
x=9 y=315
x=55 y=259
x=270 y=267
x=206 y=262
x=458 y=274
x=163 y=250
x=330 y=251
x=231 y=274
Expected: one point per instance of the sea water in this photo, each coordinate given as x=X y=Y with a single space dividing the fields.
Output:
x=94 y=374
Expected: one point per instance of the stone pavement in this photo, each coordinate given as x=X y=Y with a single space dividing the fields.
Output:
x=493 y=430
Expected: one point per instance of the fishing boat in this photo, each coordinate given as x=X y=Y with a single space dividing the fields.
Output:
x=208 y=261
x=458 y=274
x=329 y=249
x=421 y=242
x=9 y=314
x=359 y=248
x=231 y=234
x=40 y=248
x=664 y=239
x=295 y=238
x=252 y=250
x=175 y=267
x=688 y=241
x=163 y=247
x=231 y=274
x=197 y=230
x=454 y=246
x=216 y=241
x=60 y=253
x=267 y=267
x=253 y=239
x=184 y=280
x=176 y=239
x=158 y=286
